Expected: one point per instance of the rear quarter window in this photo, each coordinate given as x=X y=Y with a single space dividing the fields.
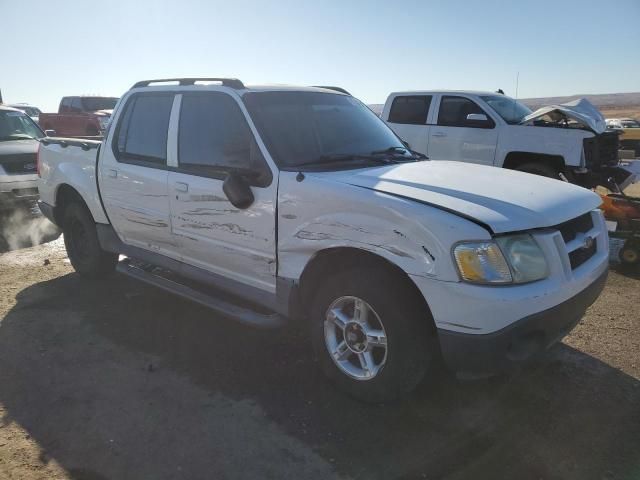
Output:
x=410 y=109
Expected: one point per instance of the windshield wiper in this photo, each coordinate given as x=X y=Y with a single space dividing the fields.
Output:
x=401 y=150
x=348 y=157
x=17 y=136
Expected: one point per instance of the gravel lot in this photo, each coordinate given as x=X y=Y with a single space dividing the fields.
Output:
x=115 y=380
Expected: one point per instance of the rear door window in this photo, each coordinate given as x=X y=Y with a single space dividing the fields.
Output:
x=141 y=135
x=454 y=111
x=410 y=109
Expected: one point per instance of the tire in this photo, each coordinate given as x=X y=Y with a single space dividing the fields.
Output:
x=407 y=327
x=630 y=254
x=83 y=247
x=542 y=169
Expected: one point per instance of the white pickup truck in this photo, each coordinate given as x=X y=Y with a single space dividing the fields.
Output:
x=273 y=205
x=567 y=141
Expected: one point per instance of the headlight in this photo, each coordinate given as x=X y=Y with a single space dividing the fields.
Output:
x=525 y=257
x=508 y=259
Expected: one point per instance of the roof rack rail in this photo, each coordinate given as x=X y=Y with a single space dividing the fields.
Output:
x=336 y=89
x=227 y=82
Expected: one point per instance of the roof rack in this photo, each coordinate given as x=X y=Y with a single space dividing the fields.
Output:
x=227 y=82
x=336 y=89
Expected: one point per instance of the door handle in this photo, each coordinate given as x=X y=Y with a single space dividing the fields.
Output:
x=439 y=134
x=182 y=187
x=112 y=173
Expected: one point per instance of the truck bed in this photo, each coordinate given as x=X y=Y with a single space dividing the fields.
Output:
x=70 y=163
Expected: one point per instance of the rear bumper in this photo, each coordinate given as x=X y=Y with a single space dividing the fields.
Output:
x=486 y=354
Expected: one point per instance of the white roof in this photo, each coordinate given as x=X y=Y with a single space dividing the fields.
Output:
x=431 y=92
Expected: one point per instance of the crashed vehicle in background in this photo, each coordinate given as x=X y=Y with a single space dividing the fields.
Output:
x=568 y=141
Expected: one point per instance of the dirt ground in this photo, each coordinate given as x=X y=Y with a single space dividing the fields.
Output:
x=116 y=380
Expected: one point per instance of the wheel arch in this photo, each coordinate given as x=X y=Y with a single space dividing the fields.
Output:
x=334 y=259
x=65 y=196
x=514 y=160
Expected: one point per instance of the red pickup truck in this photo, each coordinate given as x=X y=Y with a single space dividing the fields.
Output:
x=80 y=116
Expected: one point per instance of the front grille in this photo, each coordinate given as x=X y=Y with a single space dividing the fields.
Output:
x=601 y=150
x=19 y=164
x=570 y=229
x=581 y=255
x=575 y=230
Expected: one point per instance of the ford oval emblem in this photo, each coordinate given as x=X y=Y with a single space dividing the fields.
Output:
x=588 y=243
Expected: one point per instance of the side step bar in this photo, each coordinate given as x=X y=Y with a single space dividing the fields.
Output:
x=222 y=307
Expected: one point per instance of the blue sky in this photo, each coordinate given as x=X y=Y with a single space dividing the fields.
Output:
x=66 y=47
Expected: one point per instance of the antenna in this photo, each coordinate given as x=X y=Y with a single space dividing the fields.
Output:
x=513 y=114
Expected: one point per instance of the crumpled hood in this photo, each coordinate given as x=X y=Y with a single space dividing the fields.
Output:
x=504 y=200
x=581 y=110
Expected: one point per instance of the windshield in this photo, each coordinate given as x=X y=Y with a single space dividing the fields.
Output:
x=31 y=111
x=511 y=110
x=17 y=126
x=93 y=104
x=630 y=124
x=302 y=127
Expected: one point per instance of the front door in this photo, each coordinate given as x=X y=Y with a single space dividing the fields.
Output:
x=237 y=242
x=133 y=173
x=461 y=133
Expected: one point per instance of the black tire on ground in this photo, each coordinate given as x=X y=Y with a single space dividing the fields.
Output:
x=83 y=247
x=410 y=333
x=630 y=254
x=542 y=169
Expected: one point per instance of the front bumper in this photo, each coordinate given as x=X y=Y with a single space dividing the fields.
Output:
x=18 y=192
x=486 y=354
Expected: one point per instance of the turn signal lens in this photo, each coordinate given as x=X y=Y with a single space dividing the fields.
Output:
x=482 y=262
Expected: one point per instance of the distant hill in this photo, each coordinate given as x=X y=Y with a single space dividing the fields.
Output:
x=610 y=104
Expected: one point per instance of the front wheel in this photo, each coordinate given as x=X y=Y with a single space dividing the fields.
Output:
x=371 y=334
x=630 y=254
x=541 y=169
x=81 y=241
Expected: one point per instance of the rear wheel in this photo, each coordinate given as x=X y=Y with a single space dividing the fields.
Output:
x=371 y=335
x=83 y=247
x=542 y=169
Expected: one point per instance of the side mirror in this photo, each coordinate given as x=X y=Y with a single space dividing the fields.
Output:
x=237 y=190
x=477 y=117
x=50 y=133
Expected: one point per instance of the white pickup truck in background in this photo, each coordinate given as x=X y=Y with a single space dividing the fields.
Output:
x=566 y=141
x=273 y=205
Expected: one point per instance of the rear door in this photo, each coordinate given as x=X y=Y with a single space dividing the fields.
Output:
x=408 y=118
x=464 y=132
x=214 y=138
x=133 y=173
